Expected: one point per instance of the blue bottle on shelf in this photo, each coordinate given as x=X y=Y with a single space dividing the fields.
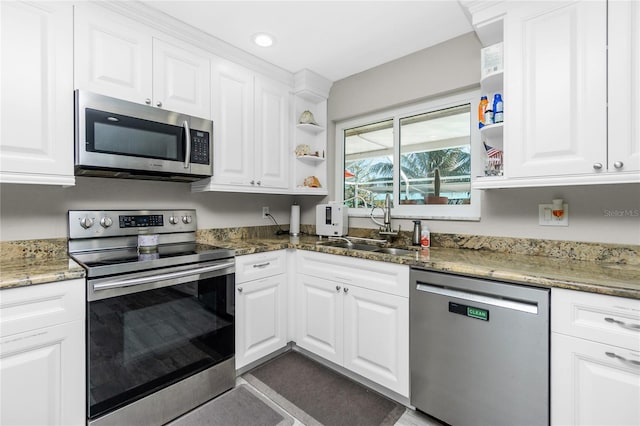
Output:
x=498 y=113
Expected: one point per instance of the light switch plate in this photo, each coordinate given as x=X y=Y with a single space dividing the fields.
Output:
x=546 y=218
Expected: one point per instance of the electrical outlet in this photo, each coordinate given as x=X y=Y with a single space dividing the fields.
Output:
x=265 y=212
x=546 y=218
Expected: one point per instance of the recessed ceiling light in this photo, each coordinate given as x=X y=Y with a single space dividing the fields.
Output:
x=263 y=39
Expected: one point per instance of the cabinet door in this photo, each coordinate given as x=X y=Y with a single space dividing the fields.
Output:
x=376 y=334
x=36 y=136
x=113 y=55
x=261 y=318
x=624 y=86
x=42 y=376
x=181 y=80
x=232 y=111
x=319 y=317
x=272 y=134
x=555 y=88
x=592 y=383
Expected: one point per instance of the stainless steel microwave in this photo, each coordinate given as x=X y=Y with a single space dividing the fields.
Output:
x=116 y=138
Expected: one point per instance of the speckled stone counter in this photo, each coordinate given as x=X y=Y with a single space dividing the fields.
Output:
x=598 y=268
x=33 y=262
x=610 y=278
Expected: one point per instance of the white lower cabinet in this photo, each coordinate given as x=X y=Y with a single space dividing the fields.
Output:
x=340 y=319
x=42 y=354
x=261 y=306
x=595 y=359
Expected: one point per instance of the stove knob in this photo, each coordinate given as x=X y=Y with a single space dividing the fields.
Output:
x=86 y=222
x=173 y=220
x=186 y=219
x=106 y=222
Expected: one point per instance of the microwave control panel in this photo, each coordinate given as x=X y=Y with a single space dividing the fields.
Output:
x=200 y=147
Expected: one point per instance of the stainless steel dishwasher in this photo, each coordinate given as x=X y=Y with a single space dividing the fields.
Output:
x=479 y=350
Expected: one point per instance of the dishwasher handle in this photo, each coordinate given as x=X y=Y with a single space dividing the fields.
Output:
x=516 y=305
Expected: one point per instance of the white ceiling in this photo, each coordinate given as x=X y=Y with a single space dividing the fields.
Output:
x=335 y=39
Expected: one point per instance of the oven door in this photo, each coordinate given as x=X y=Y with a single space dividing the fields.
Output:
x=149 y=330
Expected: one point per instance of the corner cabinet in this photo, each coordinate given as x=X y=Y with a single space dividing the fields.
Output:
x=251 y=115
x=595 y=359
x=119 y=57
x=355 y=313
x=36 y=121
x=261 y=306
x=572 y=110
x=42 y=354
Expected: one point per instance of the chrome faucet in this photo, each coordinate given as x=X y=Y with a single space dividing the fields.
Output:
x=386 y=229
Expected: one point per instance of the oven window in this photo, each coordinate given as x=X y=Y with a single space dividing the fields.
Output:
x=139 y=343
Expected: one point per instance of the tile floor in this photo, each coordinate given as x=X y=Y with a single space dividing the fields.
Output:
x=409 y=418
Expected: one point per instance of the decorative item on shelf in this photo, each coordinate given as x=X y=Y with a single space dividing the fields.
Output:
x=303 y=149
x=312 y=182
x=307 y=118
x=436 y=198
x=493 y=163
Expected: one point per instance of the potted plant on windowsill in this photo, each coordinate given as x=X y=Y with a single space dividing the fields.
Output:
x=436 y=198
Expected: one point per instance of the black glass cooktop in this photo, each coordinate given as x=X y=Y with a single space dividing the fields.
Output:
x=118 y=261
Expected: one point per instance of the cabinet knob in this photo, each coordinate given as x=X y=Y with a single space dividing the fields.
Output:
x=147 y=101
x=159 y=104
x=597 y=166
x=338 y=288
x=259 y=183
x=253 y=182
x=239 y=289
x=346 y=290
x=618 y=164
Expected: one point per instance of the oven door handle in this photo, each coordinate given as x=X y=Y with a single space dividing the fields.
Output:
x=161 y=277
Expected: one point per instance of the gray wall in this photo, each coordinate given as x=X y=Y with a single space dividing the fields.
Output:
x=37 y=211
x=594 y=211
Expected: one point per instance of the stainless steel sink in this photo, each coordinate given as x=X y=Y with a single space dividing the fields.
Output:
x=392 y=250
x=352 y=246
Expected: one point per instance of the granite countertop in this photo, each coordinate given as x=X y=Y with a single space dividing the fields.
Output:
x=610 y=278
x=20 y=272
x=596 y=277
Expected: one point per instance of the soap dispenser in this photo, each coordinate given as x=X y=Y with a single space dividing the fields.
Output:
x=417 y=232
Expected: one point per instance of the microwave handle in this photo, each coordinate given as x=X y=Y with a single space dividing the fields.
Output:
x=187 y=156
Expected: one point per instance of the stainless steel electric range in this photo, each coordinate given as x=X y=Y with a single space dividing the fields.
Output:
x=160 y=314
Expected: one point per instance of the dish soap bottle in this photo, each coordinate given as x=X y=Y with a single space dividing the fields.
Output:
x=425 y=238
x=417 y=233
x=482 y=108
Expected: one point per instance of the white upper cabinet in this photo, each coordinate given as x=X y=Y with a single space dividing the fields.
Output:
x=572 y=92
x=251 y=131
x=624 y=86
x=119 y=57
x=272 y=133
x=36 y=119
x=556 y=88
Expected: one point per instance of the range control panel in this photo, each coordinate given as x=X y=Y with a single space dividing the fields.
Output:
x=115 y=223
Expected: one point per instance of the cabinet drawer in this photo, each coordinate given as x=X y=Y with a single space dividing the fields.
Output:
x=260 y=265
x=44 y=305
x=381 y=276
x=606 y=319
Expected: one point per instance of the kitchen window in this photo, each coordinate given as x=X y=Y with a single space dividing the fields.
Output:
x=424 y=155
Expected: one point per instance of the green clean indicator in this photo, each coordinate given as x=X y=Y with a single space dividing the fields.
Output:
x=478 y=313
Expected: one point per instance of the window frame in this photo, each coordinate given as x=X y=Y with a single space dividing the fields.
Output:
x=463 y=212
